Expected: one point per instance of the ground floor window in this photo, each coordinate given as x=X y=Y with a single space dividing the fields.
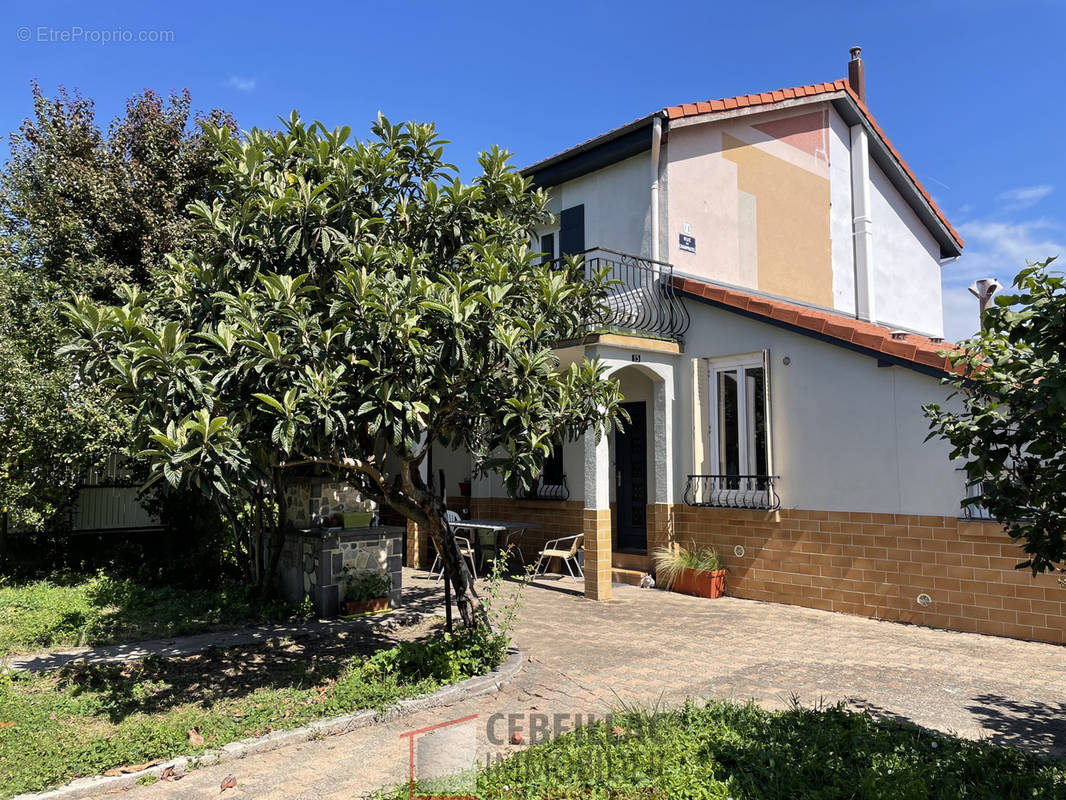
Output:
x=740 y=430
x=740 y=438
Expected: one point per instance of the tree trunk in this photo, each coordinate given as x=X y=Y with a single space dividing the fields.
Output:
x=427 y=509
x=455 y=567
x=242 y=544
x=277 y=535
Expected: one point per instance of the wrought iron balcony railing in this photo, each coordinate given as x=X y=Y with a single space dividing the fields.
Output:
x=641 y=299
x=976 y=509
x=733 y=491
x=546 y=491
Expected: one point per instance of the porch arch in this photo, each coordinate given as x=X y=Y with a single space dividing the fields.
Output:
x=597 y=524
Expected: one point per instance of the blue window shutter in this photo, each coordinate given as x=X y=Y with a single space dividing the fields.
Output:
x=572 y=231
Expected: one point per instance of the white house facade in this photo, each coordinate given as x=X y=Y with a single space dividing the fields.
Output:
x=776 y=335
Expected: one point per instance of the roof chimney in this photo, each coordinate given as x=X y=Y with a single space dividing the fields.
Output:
x=857 y=73
x=984 y=289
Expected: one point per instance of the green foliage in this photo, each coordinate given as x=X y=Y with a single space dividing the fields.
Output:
x=86 y=210
x=87 y=719
x=671 y=559
x=76 y=611
x=80 y=210
x=501 y=612
x=723 y=750
x=448 y=657
x=360 y=585
x=1011 y=427
x=350 y=302
x=50 y=428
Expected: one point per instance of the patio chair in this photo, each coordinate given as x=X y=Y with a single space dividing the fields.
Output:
x=465 y=549
x=564 y=548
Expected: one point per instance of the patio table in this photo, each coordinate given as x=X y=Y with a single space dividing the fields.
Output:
x=495 y=527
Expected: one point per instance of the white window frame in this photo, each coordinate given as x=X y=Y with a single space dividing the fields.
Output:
x=739 y=362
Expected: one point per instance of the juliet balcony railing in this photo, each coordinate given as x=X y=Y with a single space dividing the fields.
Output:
x=733 y=491
x=641 y=300
x=546 y=491
x=975 y=510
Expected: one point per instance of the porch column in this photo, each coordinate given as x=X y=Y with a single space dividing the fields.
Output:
x=660 y=511
x=596 y=519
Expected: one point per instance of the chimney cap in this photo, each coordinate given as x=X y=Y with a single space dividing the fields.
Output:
x=984 y=288
x=856 y=53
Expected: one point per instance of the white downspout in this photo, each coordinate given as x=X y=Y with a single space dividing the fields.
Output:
x=862 y=224
x=656 y=142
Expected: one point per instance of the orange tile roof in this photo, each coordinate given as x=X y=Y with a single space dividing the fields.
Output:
x=876 y=340
x=743 y=101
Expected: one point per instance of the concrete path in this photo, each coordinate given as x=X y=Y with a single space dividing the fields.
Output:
x=190 y=645
x=647 y=646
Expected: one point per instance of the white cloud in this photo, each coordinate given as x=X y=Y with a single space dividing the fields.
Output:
x=240 y=83
x=995 y=248
x=1025 y=196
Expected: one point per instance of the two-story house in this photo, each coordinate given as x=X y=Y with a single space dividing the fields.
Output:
x=776 y=331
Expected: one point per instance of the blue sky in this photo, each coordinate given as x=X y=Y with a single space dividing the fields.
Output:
x=971 y=92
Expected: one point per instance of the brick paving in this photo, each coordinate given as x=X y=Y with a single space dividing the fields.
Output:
x=648 y=647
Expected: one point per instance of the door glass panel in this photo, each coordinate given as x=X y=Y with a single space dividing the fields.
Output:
x=755 y=395
x=728 y=424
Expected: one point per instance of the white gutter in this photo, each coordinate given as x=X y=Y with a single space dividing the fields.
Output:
x=656 y=141
x=861 y=223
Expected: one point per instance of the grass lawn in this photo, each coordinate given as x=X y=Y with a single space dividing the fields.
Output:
x=84 y=720
x=94 y=610
x=725 y=750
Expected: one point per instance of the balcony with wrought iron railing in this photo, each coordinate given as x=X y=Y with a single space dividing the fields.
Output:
x=641 y=298
x=757 y=492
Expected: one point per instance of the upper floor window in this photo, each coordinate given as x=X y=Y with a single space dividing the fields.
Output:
x=547 y=247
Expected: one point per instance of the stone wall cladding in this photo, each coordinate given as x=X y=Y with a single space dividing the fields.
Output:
x=312 y=563
x=876 y=565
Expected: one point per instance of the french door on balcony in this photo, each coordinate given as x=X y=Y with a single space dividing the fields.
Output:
x=740 y=444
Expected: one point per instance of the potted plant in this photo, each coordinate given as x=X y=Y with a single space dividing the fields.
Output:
x=365 y=591
x=693 y=570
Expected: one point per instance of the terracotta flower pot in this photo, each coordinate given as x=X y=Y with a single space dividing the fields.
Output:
x=352 y=607
x=700 y=584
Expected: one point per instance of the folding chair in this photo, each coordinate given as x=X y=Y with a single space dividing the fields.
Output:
x=564 y=548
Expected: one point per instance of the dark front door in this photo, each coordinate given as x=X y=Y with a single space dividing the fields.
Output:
x=631 y=480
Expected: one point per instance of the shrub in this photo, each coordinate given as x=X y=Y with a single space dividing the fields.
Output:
x=365 y=585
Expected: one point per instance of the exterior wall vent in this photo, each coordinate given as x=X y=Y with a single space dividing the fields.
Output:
x=899 y=336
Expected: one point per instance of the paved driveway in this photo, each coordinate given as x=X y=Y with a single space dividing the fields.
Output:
x=647 y=646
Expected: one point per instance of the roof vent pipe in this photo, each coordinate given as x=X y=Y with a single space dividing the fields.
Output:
x=857 y=74
x=656 y=141
x=984 y=290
